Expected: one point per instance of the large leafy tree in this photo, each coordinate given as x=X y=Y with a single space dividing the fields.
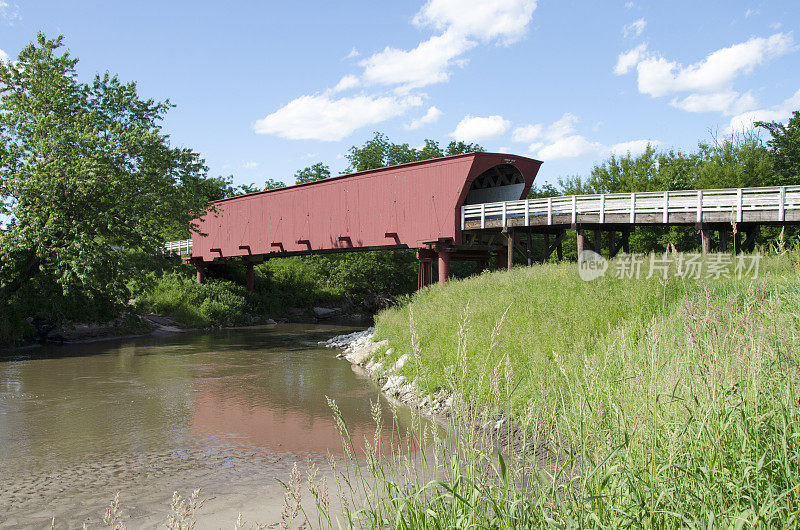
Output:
x=380 y=152
x=313 y=173
x=784 y=149
x=87 y=177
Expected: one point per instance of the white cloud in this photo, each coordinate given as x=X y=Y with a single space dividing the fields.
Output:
x=506 y=20
x=460 y=25
x=432 y=116
x=658 y=76
x=635 y=28
x=726 y=101
x=629 y=59
x=634 y=147
x=780 y=112
x=573 y=146
x=560 y=140
x=750 y=12
x=9 y=12
x=3 y=56
x=463 y=23
x=629 y=5
x=353 y=53
x=707 y=84
x=250 y=164
x=319 y=117
x=426 y=64
x=345 y=83
x=527 y=133
x=477 y=128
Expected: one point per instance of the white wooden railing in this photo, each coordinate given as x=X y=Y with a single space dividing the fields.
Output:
x=181 y=248
x=778 y=200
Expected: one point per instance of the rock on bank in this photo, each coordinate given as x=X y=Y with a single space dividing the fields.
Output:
x=361 y=350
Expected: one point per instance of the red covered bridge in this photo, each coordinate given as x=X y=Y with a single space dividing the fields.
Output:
x=415 y=205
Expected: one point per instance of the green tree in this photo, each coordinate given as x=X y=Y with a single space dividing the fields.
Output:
x=272 y=184
x=313 y=173
x=380 y=152
x=458 y=148
x=784 y=149
x=86 y=176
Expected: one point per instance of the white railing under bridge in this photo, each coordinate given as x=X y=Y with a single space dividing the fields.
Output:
x=178 y=248
x=780 y=204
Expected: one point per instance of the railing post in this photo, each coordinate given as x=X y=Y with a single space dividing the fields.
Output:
x=505 y=204
x=483 y=215
x=666 y=207
x=633 y=208
x=739 y=205
x=574 y=209
x=782 y=205
x=549 y=210
x=463 y=219
x=699 y=206
x=602 y=208
x=527 y=212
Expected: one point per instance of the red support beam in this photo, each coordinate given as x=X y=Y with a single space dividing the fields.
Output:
x=200 y=275
x=444 y=266
x=250 y=276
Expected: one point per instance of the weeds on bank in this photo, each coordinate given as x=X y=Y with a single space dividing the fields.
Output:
x=686 y=419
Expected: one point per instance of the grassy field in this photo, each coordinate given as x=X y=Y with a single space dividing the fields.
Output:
x=664 y=403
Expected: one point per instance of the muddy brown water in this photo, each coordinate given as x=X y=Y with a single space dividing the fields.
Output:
x=227 y=411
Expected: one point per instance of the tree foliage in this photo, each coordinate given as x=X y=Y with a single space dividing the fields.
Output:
x=784 y=149
x=313 y=173
x=86 y=175
x=380 y=152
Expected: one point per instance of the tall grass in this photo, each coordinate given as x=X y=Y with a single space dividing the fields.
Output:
x=624 y=404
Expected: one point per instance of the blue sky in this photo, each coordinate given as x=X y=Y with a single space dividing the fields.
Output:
x=265 y=88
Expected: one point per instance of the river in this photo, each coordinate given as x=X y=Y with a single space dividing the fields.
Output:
x=228 y=411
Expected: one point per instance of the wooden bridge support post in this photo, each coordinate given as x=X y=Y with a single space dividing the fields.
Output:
x=749 y=244
x=529 y=249
x=598 y=241
x=250 y=276
x=580 y=239
x=444 y=266
x=705 y=239
x=546 y=254
x=723 y=241
x=510 y=250
x=200 y=274
x=626 y=241
x=425 y=259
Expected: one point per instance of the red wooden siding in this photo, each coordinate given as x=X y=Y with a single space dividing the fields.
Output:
x=419 y=202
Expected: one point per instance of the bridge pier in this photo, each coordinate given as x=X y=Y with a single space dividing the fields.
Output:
x=705 y=238
x=751 y=233
x=425 y=259
x=580 y=239
x=444 y=266
x=250 y=277
x=200 y=271
x=510 y=250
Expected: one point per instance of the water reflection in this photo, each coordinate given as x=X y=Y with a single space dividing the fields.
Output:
x=77 y=418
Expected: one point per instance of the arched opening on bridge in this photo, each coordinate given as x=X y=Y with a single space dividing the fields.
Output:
x=499 y=183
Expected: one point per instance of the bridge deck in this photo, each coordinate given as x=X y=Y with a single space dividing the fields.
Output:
x=773 y=205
